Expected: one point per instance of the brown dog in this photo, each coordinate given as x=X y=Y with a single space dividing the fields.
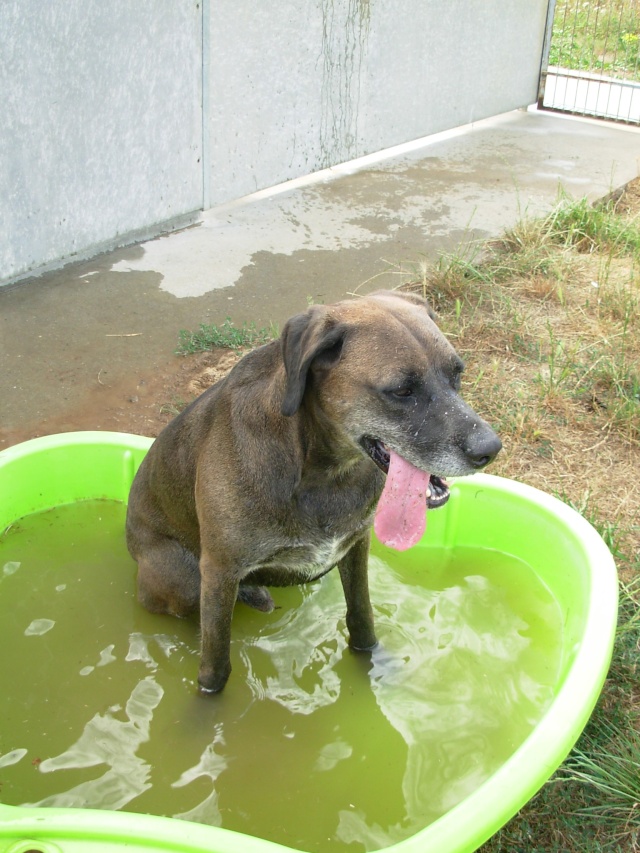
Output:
x=273 y=476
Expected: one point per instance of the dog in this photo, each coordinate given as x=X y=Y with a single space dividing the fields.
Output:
x=276 y=474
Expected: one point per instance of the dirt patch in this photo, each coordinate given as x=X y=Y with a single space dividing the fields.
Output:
x=626 y=198
x=142 y=405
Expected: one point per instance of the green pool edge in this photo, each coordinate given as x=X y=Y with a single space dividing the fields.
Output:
x=64 y=468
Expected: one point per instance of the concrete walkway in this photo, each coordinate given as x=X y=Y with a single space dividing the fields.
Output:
x=113 y=321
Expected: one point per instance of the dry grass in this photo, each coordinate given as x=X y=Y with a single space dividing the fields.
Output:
x=548 y=321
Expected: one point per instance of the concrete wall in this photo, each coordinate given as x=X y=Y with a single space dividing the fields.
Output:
x=101 y=123
x=120 y=118
x=311 y=83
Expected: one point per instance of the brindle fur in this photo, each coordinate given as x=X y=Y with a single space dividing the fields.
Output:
x=262 y=481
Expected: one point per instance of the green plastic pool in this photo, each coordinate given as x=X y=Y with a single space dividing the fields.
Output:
x=568 y=557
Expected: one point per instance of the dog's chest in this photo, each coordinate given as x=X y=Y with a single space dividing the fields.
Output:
x=319 y=558
x=301 y=560
x=322 y=526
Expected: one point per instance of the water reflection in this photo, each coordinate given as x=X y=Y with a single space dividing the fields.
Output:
x=39 y=627
x=455 y=677
x=452 y=679
x=303 y=648
x=210 y=766
x=109 y=741
x=310 y=745
x=139 y=647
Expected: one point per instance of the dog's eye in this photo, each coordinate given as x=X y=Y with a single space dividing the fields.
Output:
x=402 y=387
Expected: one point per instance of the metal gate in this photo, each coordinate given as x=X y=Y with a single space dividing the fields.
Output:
x=591 y=63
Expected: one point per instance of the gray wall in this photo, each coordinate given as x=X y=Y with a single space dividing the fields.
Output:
x=123 y=118
x=101 y=123
x=311 y=83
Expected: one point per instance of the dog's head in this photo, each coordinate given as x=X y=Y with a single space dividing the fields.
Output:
x=380 y=371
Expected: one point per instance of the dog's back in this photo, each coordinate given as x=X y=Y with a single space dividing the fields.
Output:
x=273 y=475
x=163 y=490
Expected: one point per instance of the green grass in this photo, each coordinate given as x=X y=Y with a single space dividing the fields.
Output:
x=589 y=228
x=600 y=36
x=605 y=765
x=608 y=530
x=539 y=248
x=226 y=335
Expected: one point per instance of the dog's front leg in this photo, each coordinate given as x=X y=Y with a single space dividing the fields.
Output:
x=218 y=592
x=353 y=570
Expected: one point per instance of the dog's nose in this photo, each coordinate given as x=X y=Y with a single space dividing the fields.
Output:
x=483 y=448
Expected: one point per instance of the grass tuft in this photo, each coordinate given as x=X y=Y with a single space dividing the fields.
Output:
x=592 y=228
x=227 y=336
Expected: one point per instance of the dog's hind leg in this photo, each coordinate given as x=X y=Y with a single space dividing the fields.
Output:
x=169 y=579
x=257 y=597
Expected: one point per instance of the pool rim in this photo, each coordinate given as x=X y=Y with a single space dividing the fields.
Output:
x=460 y=830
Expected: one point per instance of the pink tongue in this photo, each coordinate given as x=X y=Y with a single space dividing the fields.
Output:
x=401 y=516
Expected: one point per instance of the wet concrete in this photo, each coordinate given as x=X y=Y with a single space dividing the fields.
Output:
x=76 y=342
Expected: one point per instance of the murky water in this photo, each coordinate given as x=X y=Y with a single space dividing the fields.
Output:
x=309 y=744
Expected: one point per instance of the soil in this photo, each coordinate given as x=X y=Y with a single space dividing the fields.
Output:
x=626 y=198
x=142 y=406
x=161 y=397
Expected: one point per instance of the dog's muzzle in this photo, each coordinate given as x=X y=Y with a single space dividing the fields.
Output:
x=438 y=493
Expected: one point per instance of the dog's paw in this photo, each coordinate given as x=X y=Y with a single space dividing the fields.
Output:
x=363 y=648
x=208 y=691
x=210 y=682
x=257 y=597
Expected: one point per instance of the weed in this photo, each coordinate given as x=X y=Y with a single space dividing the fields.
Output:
x=590 y=228
x=174 y=407
x=560 y=364
x=606 y=762
x=609 y=529
x=618 y=299
x=616 y=389
x=596 y=35
x=227 y=335
x=612 y=773
x=625 y=666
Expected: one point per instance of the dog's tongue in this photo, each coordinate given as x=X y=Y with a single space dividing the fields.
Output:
x=401 y=515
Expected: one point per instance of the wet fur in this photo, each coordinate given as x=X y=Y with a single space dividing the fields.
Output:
x=262 y=481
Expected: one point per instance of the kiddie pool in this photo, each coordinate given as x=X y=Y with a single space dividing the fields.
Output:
x=563 y=549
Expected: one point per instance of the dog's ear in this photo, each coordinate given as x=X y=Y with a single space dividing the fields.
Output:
x=312 y=339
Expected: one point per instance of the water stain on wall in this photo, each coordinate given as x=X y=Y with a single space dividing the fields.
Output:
x=345 y=35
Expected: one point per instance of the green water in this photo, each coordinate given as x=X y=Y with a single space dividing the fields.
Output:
x=309 y=745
